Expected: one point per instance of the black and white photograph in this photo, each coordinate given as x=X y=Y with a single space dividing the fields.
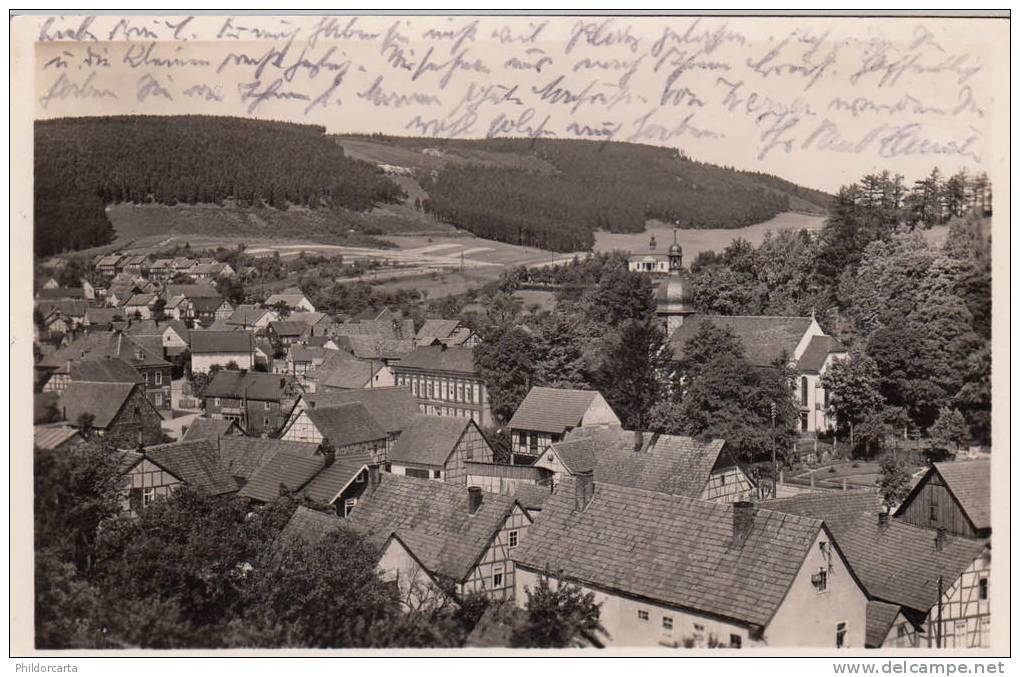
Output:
x=479 y=333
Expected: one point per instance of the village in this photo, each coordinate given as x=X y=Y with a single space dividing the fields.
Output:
x=390 y=426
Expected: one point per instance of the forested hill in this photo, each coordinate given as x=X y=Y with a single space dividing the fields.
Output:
x=553 y=193
x=84 y=164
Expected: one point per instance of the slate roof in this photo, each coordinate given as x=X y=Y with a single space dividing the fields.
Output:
x=105 y=370
x=308 y=318
x=68 y=308
x=103 y=400
x=196 y=463
x=531 y=496
x=971 y=483
x=672 y=464
x=192 y=291
x=139 y=300
x=346 y=425
x=253 y=385
x=288 y=327
x=106 y=344
x=552 y=410
x=308 y=353
x=206 y=304
x=878 y=619
x=157 y=328
x=392 y=408
x=428 y=440
x=109 y=260
x=765 y=338
x=209 y=428
x=896 y=563
x=292 y=300
x=673 y=550
x=244 y=455
x=440 y=329
x=222 y=342
x=340 y=370
x=403 y=329
x=50 y=437
x=334 y=478
x=103 y=315
x=246 y=314
x=292 y=470
x=432 y=519
x=818 y=349
x=310 y=526
x=440 y=358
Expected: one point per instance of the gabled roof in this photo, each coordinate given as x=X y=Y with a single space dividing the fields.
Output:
x=244 y=455
x=346 y=425
x=106 y=344
x=552 y=410
x=109 y=260
x=103 y=315
x=292 y=300
x=334 y=478
x=432 y=519
x=878 y=619
x=895 y=563
x=372 y=314
x=765 y=338
x=429 y=440
x=531 y=496
x=205 y=341
x=69 y=308
x=139 y=300
x=440 y=329
x=340 y=370
x=399 y=329
x=970 y=483
x=440 y=358
x=192 y=291
x=246 y=315
x=284 y=468
x=105 y=370
x=309 y=319
x=299 y=353
x=103 y=400
x=210 y=429
x=207 y=268
x=672 y=464
x=673 y=550
x=207 y=304
x=818 y=349
x=52 y=437
x=391 y=408
x=288 y=327
x=252 y=385
x=196 y=463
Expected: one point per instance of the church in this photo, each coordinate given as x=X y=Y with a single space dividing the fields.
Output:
x=809 y=351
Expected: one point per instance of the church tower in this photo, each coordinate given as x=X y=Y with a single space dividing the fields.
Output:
x=674 y=298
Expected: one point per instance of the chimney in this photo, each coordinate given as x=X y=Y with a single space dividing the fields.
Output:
x=883 y=519
x=474 y=499
x=940 y=538
x=743 y=518
x=584 y=489
x=639 y=439
x=373 y=476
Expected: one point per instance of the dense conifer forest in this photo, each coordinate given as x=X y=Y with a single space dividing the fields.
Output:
x=84 y=164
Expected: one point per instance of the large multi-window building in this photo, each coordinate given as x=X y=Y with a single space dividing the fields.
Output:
x=445 y=382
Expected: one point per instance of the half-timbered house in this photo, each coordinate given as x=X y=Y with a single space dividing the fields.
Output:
x=438 y=447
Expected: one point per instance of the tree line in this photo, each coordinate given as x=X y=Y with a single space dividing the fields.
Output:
x=84 y=164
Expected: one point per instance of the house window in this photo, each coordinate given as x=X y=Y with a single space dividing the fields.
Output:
x=148 y=496
x=159 y=378
x=533 y=446
x=360 y=479
x=803 y=421
x=157 y=399
x=803 y=391
x=267 y=406
x=349 y=505
x=522 y=439
x=983 y=588
x=820 y=580
x=437 y=474
x=933 y=513
x=667 y=623
x=642 y=615
x=735 y=641
x=840 y=635
x=514 y=537
x=216 y=401
x=265 y=421
x=497 y=577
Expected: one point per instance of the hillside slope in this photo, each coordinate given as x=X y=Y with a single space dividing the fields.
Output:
x=84 y=164
x=554 y=194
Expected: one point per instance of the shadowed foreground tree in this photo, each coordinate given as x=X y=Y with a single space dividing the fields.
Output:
x=893 y=481
x=557 y=618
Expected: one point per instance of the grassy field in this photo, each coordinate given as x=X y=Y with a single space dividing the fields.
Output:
x=695 y=241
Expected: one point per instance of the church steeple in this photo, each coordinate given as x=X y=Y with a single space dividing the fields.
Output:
x=676 y=256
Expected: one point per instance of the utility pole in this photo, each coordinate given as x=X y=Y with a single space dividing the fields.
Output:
x=775 y=465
